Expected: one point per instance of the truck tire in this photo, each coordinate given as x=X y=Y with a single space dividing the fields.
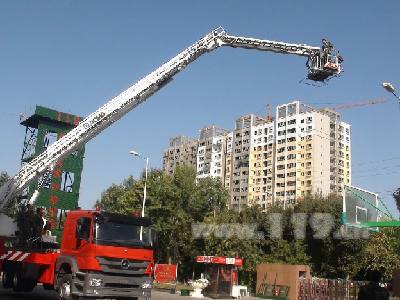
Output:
x=20 y=284
x=17 y=282
x=7 y=279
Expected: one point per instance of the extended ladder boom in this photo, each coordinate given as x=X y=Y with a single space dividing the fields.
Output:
x=266 y=45
x=132 y=97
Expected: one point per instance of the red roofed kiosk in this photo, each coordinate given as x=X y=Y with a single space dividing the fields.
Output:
x=222 y=273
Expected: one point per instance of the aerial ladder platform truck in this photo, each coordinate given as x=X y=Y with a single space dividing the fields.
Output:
x=106 y=255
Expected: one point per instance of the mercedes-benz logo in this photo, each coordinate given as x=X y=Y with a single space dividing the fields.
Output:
x=125 y=264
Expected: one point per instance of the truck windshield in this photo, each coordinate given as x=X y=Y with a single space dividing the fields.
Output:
x=121 y=234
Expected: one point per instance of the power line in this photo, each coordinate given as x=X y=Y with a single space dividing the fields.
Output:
x=378 y=174
x=375 y=161
x=377 y=169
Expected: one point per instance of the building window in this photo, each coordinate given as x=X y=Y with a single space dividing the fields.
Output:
x=291 y=109
x=49 y=139
x=67 y=181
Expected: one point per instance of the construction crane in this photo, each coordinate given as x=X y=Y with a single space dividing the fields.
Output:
x=322 y=65
x=359 y=104
x=270 y=117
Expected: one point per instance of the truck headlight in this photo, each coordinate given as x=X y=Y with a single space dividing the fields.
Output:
x=147 y=285
x=95 y=282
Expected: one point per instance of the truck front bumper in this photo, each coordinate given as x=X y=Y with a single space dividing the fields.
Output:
x=98 y=285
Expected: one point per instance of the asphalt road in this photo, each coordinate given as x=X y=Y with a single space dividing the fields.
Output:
x=38 y=294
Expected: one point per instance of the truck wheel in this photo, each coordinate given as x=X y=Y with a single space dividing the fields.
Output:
x=7 y=279
x=20 y=284
x=17 y=283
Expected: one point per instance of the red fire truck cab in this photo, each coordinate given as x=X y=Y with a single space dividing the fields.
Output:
x=102 y=255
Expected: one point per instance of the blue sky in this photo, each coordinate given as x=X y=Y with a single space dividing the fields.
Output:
x=74 y=55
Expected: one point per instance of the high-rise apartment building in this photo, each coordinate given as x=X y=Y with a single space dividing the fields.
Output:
x=312 y=152
x=303 y=151
x=340 y=152
x=261 y=164
x=211 y=152
x=249 y=162
x=228 y=160
x=181 y=150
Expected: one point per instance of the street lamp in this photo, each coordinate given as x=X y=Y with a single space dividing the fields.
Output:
x=390 y=88
x=134 y=153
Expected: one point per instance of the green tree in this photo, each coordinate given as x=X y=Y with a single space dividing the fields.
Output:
x=176 y=202
x=3 y=177
x=336 y=255
x=9 y=209
x=123 y=198
x=248 y=235
x=232 y=234
x=382 y=253
x=396 y=196
x=173 y=203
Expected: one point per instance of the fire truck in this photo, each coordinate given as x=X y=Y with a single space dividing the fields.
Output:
x=103 y=254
